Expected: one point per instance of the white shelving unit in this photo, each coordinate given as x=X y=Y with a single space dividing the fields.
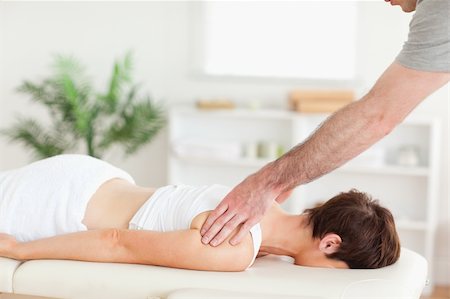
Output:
x=410 y=192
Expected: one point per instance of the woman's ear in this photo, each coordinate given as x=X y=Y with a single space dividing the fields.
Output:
x=330 y=243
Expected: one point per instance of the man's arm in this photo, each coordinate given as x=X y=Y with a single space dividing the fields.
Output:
x=178 y=249
x=341 y=137
x=356 y=127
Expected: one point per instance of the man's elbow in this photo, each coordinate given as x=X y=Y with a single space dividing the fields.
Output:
x=384 y=123
x=380 y=119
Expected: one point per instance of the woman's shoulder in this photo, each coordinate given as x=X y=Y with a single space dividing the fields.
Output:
x=248 y=247
x=198 y=220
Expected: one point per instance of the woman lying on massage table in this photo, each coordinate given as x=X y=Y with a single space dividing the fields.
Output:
x=81 y=208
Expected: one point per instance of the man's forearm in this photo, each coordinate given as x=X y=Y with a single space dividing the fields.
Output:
x=353 y=129
x=340 y=138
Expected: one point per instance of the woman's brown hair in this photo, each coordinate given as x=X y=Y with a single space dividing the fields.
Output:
x=367 y=230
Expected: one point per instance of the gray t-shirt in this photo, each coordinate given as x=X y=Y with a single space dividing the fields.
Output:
x=428 y=44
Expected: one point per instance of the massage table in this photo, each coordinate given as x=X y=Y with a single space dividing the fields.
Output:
x=270 y=277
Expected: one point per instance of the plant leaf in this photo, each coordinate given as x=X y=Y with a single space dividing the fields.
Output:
x=32 y=134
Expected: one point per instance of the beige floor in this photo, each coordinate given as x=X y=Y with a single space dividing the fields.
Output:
x=440 y=292
x=8 y=296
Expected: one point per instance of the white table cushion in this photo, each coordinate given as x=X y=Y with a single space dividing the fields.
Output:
x=7 y=269
x=270 y=275
x=219 y=294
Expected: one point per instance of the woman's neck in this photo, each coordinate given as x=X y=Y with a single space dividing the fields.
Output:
x=284 y=233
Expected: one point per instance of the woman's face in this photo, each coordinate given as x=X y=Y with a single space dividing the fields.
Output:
x=311 y=261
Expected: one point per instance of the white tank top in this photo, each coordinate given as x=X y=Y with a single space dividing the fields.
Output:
x=174 y=207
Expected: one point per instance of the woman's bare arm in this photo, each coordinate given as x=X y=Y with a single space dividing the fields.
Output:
x=177 y=249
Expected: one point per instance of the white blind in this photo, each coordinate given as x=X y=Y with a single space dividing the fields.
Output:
x=303 y=39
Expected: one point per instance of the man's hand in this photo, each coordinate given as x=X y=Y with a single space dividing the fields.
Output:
x=246 y=204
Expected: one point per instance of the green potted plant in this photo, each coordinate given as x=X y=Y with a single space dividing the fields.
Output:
x=80 y=116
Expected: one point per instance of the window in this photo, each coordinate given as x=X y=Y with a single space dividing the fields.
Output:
x=302 y=39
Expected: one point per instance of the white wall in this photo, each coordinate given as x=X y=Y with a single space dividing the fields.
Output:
x=160 y=34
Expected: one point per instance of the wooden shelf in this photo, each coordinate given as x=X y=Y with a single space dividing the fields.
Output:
x=224 y=163
x=275 y=114
x=258 y=163
x=265 y=114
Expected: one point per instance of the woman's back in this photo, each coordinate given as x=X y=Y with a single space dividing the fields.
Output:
x=173 y=207
x=114 y=204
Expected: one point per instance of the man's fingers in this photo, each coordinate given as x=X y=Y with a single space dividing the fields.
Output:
x=212 y=217
x=245 y=228
x=226 y=230
x=216 y=227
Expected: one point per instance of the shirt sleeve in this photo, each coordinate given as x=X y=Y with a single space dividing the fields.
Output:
x=256 y=234
x=428 y=44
